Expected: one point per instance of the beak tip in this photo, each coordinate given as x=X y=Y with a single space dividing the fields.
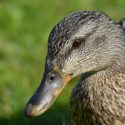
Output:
x=27 y=112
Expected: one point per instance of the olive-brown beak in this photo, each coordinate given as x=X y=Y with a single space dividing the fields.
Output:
x=52 y=84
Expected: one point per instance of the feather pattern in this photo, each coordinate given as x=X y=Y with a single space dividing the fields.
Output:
x=99 y=97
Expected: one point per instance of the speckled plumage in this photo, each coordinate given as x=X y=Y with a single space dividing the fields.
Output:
x=102 y=101
x=99 y=97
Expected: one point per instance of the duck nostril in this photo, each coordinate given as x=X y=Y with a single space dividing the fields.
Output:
x=51 y=77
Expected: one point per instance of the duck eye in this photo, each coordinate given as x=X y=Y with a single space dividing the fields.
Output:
x=76 y=44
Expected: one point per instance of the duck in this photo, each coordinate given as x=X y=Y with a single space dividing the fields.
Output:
x=91 y=45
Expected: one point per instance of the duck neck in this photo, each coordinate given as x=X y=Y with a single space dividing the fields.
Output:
x=103 y=82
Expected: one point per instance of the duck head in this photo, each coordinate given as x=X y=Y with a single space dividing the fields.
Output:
x=83 y=42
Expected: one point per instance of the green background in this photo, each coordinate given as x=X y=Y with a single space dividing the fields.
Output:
x=24 y=30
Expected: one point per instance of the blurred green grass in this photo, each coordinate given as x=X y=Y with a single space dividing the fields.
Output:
x=24 y=30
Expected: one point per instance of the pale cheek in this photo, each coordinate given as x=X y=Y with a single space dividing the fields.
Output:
x=72 y=67
x=67 y=69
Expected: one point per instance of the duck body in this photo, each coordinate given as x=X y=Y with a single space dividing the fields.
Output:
x=90 y=44
x=99 y=101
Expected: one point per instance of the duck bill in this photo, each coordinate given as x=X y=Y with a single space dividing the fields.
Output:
x=52 y=84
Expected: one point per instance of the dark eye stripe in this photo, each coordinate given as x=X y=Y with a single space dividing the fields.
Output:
x=77 y=42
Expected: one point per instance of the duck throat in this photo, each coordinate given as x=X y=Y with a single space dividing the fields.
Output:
x=99 y=99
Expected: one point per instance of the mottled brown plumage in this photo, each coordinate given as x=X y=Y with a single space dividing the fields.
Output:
x=99 y=99
x=90 y=44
